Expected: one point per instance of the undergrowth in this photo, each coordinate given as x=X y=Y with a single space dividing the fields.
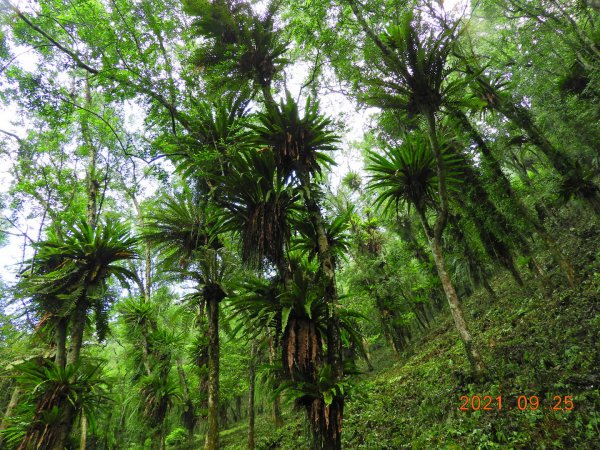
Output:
x=534 y=345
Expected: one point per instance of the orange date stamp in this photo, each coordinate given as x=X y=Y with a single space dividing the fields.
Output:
x=521 y=403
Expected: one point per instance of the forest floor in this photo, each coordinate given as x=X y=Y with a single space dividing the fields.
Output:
x=534 y=345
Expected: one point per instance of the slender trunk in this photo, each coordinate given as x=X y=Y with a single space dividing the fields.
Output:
x=566 y=167
x=522 y=118
x=83 y=438
x=472 y=258
x=388 y=330
x=539 y=275
x=420 y=315
x=493 y=245
x=277 y=400
x=506 y=188
x=420 y=252
x=328 y=270
x=509 y=263
x=489 y=290
x=435 y=239
x=333 y=412
x=12 y=404
x=78 y=319
x=252 y=383
x=267 y=95
x=283 y=267
x=182 y=379
x=456 y=310
x=212 y=432
x=60 y=331
x=146 y=351
x=189 y=413
x=92 y=183
x=201 y=360
x=392 y=340
x=63 y=428
x=368 y=354
x=147 y=270
x=442 y=218
x=147 y=285
x=563 y=262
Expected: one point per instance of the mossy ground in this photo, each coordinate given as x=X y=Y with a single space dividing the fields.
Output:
x=534 y=345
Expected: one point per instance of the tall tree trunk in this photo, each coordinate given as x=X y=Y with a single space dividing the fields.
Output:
x=473 y=355
x=388 y=330
x=367 y=347
x=12 y=404
x=471 y=256
x=494 y=238
x=333 y=412
x=83 y=438
x=146 y=287
x=505 y=188
x=252 y=384
x=189 y=413
x=333 y=427
x=63 y=428
x=146 y=350
x=566 y=167
x=283 y=267
x=435 y=239
x=212 y=433
x=78 y=319
x=323 y=418
x=489 y=289
x=277 y=400
x=60 y=331
x=92 y=183
x=408 y=234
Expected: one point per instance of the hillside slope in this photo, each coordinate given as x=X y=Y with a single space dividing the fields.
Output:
x=534 y=346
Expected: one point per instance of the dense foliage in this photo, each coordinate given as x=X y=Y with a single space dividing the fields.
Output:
x=296 y=224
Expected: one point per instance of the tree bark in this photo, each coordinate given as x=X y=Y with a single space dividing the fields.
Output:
x=78 y=319
x=408 y=234
x=91 y=181
x=83 y=438
x=489 y=290
x=333 y=412
x=473 y=355
x=212 y=433
x=64 y=428
x=327 y=266
x=146 y=350
x=189 y=413
x=505 y=187
x=388 y=330
x=435 y=240
x=569 y=170
x=324 y=422
x=277 y=400
x=60 y=359
x=12 y=404
x=252 y=384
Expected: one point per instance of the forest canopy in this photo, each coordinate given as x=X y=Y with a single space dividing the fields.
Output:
x=298 y=224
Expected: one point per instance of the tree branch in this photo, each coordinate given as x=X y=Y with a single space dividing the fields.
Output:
x=181 y=118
